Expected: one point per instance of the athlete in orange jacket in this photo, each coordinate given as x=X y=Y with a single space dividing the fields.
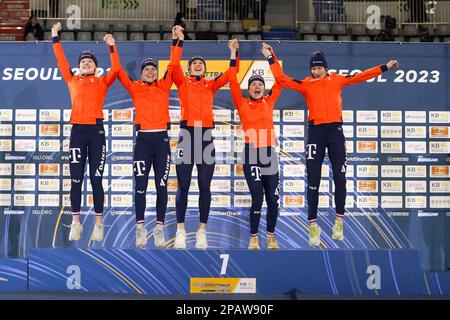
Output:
x=195 y=144
x=87 y=137
x=322 y=92
x=260 y=156
x=151 y=101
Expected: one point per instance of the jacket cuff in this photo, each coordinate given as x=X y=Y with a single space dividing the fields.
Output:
x=55 y=39
x=384 y=68
x=180 y=43
x=271 y=60
x=233 y=63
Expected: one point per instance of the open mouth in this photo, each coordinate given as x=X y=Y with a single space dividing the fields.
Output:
x=257 y=92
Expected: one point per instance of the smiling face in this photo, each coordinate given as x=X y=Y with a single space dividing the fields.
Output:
x=256 y=89
x=149 y=74
x=87 y=66
x=198 y=68
x=318 y=72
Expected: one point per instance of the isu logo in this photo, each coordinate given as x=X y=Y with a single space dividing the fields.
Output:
x=293 y=201
x=439 y=171
x=368 y=146
x=48 y=169
x=367 y=186
x=439 y=132
x=122 y=115
x=49 y=129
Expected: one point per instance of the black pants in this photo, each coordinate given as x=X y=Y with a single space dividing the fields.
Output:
x=262 y=176
x=152 y=148
x=87 y=141
x=195 y=146
x=328 y=136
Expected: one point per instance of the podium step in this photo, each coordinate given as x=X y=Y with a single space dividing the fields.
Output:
x=13 y=275
x=181 y=272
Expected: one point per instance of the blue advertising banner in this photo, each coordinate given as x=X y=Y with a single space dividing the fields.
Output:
x=396 y=126
x=180 y=272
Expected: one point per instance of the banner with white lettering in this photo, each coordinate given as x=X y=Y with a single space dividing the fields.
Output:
x=396 y=126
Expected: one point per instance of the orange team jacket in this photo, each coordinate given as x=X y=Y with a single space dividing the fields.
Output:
x=86 y=92
x=323 y=96
x=256 y=115
x=151 y=100
x=196 y=96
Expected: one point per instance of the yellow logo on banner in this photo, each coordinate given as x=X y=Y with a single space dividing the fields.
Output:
x=223 y=285
x=215 y=68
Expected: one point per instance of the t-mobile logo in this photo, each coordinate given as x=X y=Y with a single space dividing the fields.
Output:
x=311 y=151
x=75 y=155
x=139 y=168
x=256 y=172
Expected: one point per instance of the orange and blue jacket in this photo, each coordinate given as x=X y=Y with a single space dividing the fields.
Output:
x=87 y=93
x=256 y=115
x=196 y=96
x=151 y=100
x=323 y=96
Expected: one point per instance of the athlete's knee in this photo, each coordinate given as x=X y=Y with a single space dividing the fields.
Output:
x=205 y=192
x=161 y=191
x=96 y=183
x=76 y=182
x=183 y=186
x=272 y=202
x=339 y=179
x=257 y=202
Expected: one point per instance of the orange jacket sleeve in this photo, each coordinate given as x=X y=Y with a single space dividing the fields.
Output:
x=61 y=60
x=115 y=65
x=235 y=88
x=176 y=51
x=275 y=92
x=282 y=79
x=363 y=76
x=178 y=76
x=223 y=79
x=125 y=79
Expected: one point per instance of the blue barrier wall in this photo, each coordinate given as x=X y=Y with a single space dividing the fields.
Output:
x=397 y=128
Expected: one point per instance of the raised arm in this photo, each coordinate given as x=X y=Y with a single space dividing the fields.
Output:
x=224 y=78
x=235 y=88
x=275 y=91
x=114 y=57
x=124 y=79
x=282 y=79
x=176 y=51
x=369 y=73
x=61 y=60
